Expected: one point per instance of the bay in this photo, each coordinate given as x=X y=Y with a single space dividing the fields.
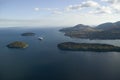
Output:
x=42 y=60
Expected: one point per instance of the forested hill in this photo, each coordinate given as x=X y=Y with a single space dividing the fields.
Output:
x=102 y=31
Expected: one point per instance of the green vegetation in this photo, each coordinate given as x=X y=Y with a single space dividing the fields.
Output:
x=17 y=44
x=71 y=46
x=28 y=34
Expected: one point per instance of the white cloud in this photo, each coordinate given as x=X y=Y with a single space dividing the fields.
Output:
x=49 y=9
x=114 y=5
x=102 y=10
x=57 y=12
x=36 y=9
x=52 y=10
x=89 y=4
x=111 y=1
x=85 y=4
x=116 y=8
x=73 y=7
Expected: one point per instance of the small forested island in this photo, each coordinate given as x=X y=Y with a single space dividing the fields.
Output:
x=95 y=47
x=102 y=31
x=17 y=44
x=28 y=34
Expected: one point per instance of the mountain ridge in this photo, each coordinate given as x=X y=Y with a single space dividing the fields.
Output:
x=103 y=31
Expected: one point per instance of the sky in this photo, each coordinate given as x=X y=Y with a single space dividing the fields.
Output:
x=56 y=13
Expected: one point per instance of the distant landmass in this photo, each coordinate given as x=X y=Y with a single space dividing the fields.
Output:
x=95 y=47
x=28 y=34
x=102 y=31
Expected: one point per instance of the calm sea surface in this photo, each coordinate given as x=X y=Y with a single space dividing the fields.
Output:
x=42 y=60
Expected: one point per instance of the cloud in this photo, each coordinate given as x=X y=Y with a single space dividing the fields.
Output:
x=116 y=8
x=37 y=9
x=82 y=5
x=48 y=9
x=114 y=5
x=111 y=1
x=102 y=10
x=89 y=4
x=73 y=7
x=51 y=10
x=57 y=12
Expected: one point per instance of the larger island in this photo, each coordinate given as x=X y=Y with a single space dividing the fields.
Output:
x=95 y=47
x=103 y=31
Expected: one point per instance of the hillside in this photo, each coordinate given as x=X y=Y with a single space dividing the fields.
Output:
x=108 y=26
x=102 y=31
x=79 y=27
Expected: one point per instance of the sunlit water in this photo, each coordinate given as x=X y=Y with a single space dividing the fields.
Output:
x=42 y=60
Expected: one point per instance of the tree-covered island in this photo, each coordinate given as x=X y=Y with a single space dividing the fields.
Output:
x=95 y=47
x=28 y=34
x=17 y=44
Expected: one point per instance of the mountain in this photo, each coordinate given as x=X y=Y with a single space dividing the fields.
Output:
x=109 y=26
x=118 y=23
x=106 y=26
x=102 y=31
x=79 y=27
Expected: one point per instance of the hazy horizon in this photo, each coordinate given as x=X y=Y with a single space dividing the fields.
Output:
x=17 y=13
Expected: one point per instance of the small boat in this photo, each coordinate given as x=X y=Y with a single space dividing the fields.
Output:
x=40 y=38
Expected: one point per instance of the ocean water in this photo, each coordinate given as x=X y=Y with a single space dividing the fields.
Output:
x=42 y=60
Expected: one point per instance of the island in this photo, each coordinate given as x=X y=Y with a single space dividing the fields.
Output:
x=28 y=34
x=95 y=47
x=103 y=31
x=17 y=44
